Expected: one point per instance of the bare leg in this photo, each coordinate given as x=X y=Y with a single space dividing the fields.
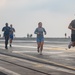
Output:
x=10 y=42
x=73 y=44
x=42 y=45
x=38 y=46
x=41 y=48
x=70 y=44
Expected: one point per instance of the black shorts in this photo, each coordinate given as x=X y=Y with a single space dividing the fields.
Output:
x=73 y=37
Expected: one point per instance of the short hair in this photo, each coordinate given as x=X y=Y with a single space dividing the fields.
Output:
x=6 y=23
x=10 y=24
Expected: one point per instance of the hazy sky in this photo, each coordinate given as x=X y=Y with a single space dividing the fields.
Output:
x=25 y=15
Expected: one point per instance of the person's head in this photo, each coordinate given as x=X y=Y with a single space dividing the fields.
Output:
x=11 y=25
x=40 y=24
x=6 y=24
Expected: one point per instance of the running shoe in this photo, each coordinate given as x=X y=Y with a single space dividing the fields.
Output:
x=69 y=46
x=10 y=45
x=40 y=52
x=6 y=47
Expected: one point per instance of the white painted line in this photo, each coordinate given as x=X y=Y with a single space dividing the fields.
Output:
x=20 y=46
x=51 y=67
x=47 y=48
x=2 y=48
x=9 y=72
x=24 y=46
x=36 y=51
x=1 y=44
x=23 y=51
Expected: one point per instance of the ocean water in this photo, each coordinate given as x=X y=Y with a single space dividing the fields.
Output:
x=61 y=43
x=49 y=42
x=46 y=40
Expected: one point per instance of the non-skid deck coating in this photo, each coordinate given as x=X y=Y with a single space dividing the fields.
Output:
x=63 y=57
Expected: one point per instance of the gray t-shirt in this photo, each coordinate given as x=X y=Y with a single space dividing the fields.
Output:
x=73 y=26
x=40 y=31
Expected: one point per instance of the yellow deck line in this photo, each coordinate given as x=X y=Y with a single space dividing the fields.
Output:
x=47 y=61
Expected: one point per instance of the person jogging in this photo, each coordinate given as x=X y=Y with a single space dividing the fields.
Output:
x=72 y=28
x=40 y=37
x=6 y=31
x=12 y=30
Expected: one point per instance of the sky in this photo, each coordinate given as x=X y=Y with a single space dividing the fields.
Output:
x=24 y=15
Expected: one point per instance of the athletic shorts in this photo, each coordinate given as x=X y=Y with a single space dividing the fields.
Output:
x=41 y=39
x=11 y=36
x=73 y=37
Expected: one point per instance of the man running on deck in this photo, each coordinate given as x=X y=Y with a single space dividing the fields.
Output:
x=12 y=30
